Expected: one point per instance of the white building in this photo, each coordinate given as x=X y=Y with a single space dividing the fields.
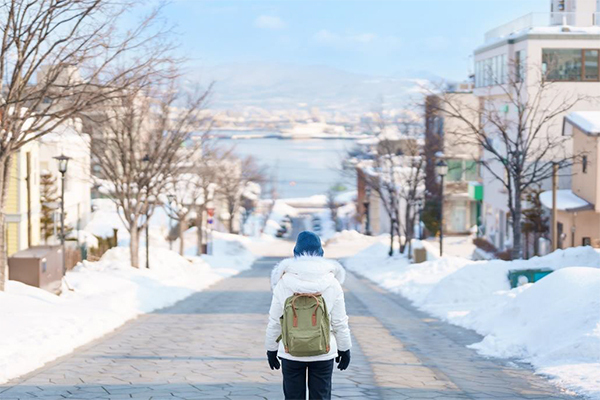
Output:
x=69 y=140
x=563 y=46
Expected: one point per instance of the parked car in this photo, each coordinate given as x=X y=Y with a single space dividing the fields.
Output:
x=316 y=223
x=281 y=232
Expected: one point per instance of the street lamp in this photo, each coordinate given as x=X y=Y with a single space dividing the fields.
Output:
x=63 y=163
x=441 y=169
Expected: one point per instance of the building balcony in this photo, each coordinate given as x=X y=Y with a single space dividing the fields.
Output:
x=544 y=20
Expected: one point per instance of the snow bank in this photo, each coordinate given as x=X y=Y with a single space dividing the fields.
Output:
x=105 y=219
x=554 y=324
x=397 y=274
x=279 y=211
x=230 y=249
x=38 y=327
x=83 y=237
x=346 y=236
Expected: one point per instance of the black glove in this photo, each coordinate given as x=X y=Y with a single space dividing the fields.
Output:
x=273 y=361
x=343 y=359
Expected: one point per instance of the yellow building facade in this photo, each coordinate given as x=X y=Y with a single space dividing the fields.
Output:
x=23 y=200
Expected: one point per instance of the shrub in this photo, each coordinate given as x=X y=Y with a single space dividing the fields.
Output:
x=485 y=245
x=504 y=255
x=491 y=249
x=431 y=217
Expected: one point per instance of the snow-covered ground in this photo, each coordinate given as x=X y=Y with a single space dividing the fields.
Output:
x=554 y=324
x=38 y=327
x=454 y=246
x=347 y=243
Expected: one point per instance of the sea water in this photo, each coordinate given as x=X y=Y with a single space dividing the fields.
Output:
x=296 y=167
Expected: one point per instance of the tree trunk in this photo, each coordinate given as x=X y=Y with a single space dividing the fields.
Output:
x=231 y=210
x=182 y=228
x=134 y=246
x=391 y=252
x=401 y=245
x=517 y=252
x=4 y=179
x=199 y=233
x=407 y=229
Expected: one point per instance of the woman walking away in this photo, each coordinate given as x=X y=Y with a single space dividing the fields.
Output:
x=308 y=325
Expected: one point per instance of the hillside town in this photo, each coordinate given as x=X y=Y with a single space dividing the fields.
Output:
x=146 y=230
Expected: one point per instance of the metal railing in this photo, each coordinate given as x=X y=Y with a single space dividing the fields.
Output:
x=532 y=20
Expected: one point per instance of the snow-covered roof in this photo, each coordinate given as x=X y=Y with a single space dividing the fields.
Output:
x=566 y=200
x=587 y=121
x=555 y=31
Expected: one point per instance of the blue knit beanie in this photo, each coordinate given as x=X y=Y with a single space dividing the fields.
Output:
x=308 y=244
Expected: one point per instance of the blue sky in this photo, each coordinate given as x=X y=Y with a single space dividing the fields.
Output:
x=403 y=37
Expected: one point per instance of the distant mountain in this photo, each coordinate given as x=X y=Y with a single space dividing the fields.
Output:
x=286 y=86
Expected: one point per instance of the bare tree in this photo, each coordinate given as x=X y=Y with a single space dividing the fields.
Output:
x=59 y=59
x=235 y=174
x=412 y=176
x=396 y=172
x=183 y=193
x=518 y=129
x=208 y=167
x=143 y=146
x=333 y=204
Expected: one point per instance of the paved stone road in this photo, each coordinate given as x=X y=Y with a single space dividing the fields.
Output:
x=210 y=346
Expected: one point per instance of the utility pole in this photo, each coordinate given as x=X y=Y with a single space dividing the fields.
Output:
x=554 y=206
x=148 y=237
x=442 y=216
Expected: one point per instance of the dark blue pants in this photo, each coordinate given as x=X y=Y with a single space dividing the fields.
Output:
x=319 y=379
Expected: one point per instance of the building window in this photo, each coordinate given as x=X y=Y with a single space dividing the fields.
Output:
x=590 y=63
x=520 y=65
x=438 y=125
x=584 y=164
x=570 y=64
x=462 y=170
x=471 y=171
x=454 y=170
x=491 y=71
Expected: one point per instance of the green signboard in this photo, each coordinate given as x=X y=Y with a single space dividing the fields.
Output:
x=476 y=191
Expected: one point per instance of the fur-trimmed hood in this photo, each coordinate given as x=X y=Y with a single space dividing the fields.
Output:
x=308 y=274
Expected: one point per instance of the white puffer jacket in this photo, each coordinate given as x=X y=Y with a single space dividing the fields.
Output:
x=308 y=274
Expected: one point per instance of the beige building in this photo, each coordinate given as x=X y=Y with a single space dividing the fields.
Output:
x=563 y=46
x=447 y=138
x=578 y=208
